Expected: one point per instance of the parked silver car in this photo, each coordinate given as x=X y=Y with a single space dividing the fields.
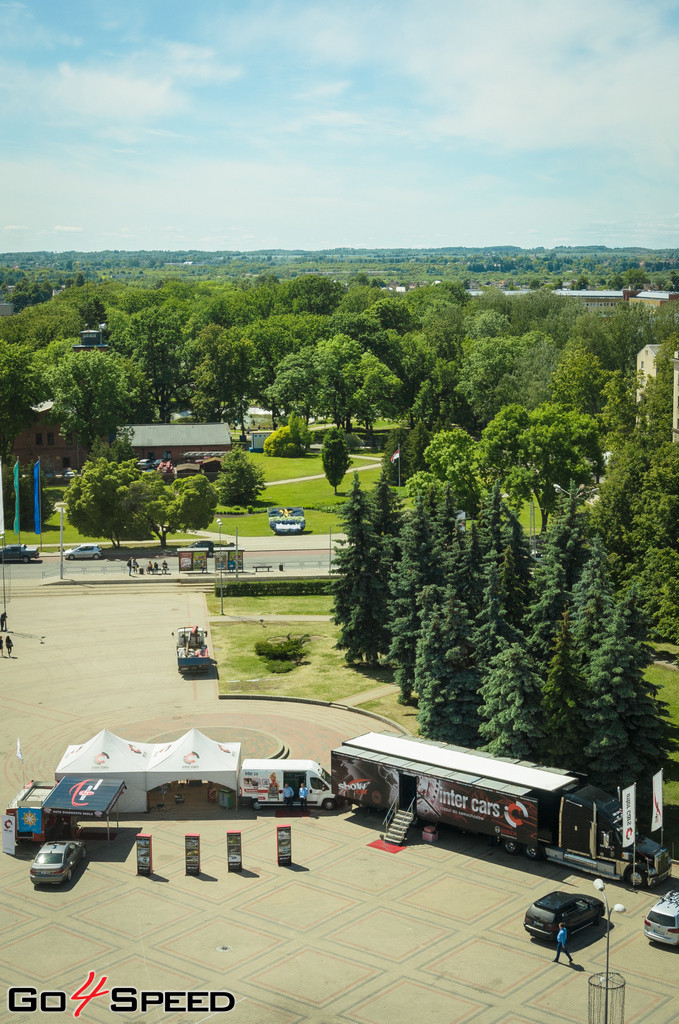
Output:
x=55 y=862
x=84 y=551
x=662 y=921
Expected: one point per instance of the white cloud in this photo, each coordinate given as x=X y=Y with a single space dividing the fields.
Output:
x=65 y=228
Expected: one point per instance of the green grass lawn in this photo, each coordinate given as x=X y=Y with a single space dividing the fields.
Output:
x=668 y=681
x=325 y=676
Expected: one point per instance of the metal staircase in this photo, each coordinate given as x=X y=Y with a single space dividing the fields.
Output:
x=397 y=822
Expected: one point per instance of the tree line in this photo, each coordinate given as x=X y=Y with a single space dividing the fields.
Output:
x=539 y=661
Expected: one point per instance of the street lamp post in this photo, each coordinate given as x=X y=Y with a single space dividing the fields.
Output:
x=60 y=506
x=600 y=886
x=221 y=570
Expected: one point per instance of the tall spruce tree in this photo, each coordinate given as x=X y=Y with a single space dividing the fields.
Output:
x=517 y=571
x=592 y=603
x=492 y=630
x=510 y=706
x=565 y=704
x=416 y=568
x=359 y=591
x=445 y=678
x=472 y=575
x=544 y=615
x=645 y=716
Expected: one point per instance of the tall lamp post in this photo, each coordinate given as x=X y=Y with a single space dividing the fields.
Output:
x=221 y=569
x=60 y=506
x=619 y=909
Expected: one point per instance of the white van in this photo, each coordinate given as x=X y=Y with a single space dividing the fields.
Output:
x=262 y=782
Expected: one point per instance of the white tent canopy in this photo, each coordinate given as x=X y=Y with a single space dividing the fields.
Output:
x=107 y=755
x=143 y=766
x=194 y=756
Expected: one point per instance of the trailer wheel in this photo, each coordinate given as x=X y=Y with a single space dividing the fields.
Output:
x=511 y=846
x=532 y=852
x=328 y=805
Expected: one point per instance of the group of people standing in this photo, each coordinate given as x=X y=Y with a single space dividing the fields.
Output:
x=152 y=568
x=289 y=796
x=7 y=642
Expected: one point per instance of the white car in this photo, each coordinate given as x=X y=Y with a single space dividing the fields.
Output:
x=661 y=924
x=84 y=551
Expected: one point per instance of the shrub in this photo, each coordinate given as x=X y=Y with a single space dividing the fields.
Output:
x=290 y=649
x=241 y=480
x=274 y=588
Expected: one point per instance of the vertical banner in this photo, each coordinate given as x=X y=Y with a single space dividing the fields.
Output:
x=284 y=845
x=629 y=815
x=2 y=505
x=144 y=854
x=192 y=853
x=234 y=851
x=36 y=497
x=657 y=801
x=17 y=519
x=8 y=834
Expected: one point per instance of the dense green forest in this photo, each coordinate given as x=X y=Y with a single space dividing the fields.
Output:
x=532 y=390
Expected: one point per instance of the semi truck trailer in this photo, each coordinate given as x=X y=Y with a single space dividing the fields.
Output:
x=527 y=808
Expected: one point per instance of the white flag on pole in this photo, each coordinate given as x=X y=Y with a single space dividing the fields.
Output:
x=657 y=801
x=629 y=815
x=19 y=754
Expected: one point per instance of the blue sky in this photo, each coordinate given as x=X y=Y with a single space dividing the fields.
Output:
x=249 y=124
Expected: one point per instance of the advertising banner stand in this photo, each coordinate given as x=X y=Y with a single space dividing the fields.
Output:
x=284 y=845
x=234 y=851
x=144 y=854
x=8 y=834
x=192 y=853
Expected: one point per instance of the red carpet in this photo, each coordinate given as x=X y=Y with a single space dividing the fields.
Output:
x=291 y=812
x=380 y=844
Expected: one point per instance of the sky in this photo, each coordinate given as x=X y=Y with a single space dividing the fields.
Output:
x=250 y=124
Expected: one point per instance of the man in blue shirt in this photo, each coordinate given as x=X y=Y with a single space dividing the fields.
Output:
x=303 y=794
x=288 y=795
x=561 y=940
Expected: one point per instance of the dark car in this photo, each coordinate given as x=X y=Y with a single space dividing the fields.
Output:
x=574 y=909
x=55 y=862
x=205 y=545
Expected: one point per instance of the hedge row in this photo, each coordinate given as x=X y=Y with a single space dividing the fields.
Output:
x=274 y=588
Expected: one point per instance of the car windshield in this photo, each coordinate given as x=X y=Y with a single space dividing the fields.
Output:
x=49 y=858
x=553 y=901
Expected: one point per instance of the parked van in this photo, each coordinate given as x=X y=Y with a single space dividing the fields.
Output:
x=262 y=782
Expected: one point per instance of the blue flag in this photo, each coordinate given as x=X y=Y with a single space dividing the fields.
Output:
x=36 y=496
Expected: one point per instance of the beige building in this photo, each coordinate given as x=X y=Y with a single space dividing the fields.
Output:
x=646 y=366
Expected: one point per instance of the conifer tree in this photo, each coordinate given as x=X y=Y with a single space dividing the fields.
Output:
x=645 y=716
x=386 y=508
x=565 y=704
x=490 y=526
x=416 y=443
x=445 y=679
x=517 y=571
x=492 y=630
x=416 y=568
x=359 y=590
x=592 y=603
x=510 y=706
x=472 y=575
x=544 y=615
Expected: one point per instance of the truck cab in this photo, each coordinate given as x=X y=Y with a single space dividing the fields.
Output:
x=262 y=782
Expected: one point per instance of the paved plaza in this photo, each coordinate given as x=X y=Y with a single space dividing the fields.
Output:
x=347 y=935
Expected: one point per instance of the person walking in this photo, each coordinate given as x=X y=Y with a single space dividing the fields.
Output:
x=2 y=649
x=288 y=794
x=3 y=621
x=303 y=794
x=9 y=645
x=129 y=567
x=561 y=940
